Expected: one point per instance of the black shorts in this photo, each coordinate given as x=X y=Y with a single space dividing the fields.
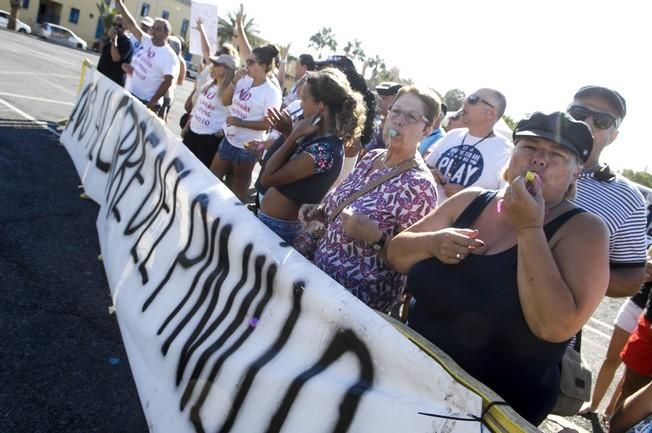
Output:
x=203 y=146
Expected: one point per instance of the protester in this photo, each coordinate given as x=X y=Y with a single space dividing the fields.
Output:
x=359 y=84
x=353 y=248
x=475 y=155
x=305 y=166
x=115 y=51
x=609 y=195
x=454 y=121
x=155 y=65
x=502 y=280
x=386 y=93
x=304 y=64
x=427 y=144
x=176 y=43
x=203 y=133
x=253 y=97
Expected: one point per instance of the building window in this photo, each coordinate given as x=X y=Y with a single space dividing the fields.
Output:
x=165 y=15
x=25 y=4
x=144 y=10
x=184 y=28
x=74 y=15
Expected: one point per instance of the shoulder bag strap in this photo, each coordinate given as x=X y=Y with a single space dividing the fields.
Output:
x=400 y=169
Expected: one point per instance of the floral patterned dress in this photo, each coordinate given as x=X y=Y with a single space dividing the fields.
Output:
x=394 y=205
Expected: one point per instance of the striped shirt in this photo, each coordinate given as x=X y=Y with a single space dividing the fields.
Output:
x=622 y=207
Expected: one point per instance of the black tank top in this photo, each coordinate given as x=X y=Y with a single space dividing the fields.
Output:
x=472 y=312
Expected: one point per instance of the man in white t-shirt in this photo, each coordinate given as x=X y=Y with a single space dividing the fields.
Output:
x=475 y=155
x=156 y=65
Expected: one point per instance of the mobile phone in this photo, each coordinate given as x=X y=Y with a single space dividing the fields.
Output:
x=316 y=121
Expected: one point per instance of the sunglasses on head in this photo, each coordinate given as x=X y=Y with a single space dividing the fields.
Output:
x=600 y=120
x=474 y=99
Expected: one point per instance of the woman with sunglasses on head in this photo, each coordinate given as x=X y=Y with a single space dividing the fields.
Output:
x=387 y=191
x=502 y=280
x=305 y=166
x=254 y=95
x=204 y=130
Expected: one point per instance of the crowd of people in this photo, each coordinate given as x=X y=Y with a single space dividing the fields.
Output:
x=496 y=247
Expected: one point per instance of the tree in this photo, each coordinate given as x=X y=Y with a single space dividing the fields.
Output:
x=323 y=39
x=509 y=121
x=454 y=99
x=354 y=50
x=226 y=30
x=107 y=13
x=641 y=177
x=13 y=14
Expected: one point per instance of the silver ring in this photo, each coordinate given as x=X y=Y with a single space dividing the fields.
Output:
x=458 y=256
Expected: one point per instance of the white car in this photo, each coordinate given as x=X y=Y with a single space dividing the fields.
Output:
x=20 y=26
x=61 y=35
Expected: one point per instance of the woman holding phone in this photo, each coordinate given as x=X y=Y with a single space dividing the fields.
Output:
x=305 y=166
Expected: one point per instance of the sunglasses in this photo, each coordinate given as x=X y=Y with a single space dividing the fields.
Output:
x=411 y=117
x=117 y=25
x=474 y=99
x=600 y=120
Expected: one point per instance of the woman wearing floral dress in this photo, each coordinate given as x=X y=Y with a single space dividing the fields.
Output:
x=353 y=249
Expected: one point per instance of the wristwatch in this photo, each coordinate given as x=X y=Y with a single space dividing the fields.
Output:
x=380 y=243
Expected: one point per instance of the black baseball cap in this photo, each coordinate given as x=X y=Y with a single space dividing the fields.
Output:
x=388 y=88
x=560 y=128
x=336 y=60
x=615 y=99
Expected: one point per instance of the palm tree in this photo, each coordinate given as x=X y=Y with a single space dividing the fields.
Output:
x=107 y=13
x=322 y=39
x=13 y=14
x=226 y=30
x=354 y=50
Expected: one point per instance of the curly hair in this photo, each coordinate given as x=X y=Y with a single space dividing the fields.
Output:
x=331 y=87
x=358 y=83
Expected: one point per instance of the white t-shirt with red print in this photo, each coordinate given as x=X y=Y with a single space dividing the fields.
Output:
x=151 y=64
x=208 y=114
x=251 y=104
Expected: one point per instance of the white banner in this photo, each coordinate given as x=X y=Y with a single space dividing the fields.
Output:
x=227 y=328
x=207 y=11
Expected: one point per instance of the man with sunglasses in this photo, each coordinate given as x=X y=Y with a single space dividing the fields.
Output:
x=612 y=197
x=116 y=50
x=474 y=155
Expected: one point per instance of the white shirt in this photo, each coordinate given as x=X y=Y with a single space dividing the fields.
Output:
x=251 y=104
x=208 y=114
x=151 y=64
x=470 y=161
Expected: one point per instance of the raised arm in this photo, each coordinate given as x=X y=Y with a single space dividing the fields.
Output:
x=129 y=21
x=244 y=47
x=205 y=45
x=560 y=283
x=281 y=69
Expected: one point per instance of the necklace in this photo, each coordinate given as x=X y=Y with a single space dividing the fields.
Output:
x=383 y=161
x=477 y=142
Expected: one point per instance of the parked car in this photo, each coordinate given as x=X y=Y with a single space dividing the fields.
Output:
x=20 y=26
x=191 y=70
x=60 y=35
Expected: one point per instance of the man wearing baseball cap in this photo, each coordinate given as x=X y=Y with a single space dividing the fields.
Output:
x=386 y=92
x=612 y=197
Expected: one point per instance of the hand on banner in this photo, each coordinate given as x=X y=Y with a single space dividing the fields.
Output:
x=199 y=22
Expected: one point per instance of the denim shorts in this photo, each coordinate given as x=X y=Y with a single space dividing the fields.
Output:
x=229 y=152
x=287 y=230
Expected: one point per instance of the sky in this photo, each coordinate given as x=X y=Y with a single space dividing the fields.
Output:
x=537 y=53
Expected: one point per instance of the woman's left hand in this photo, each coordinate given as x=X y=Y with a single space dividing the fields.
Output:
x=359 y=227
x=525 y=209
x=233 y=121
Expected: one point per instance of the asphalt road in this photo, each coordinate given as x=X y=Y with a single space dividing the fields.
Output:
x=64 y=368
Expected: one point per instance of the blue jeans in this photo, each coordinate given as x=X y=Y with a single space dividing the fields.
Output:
x=287 y=230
